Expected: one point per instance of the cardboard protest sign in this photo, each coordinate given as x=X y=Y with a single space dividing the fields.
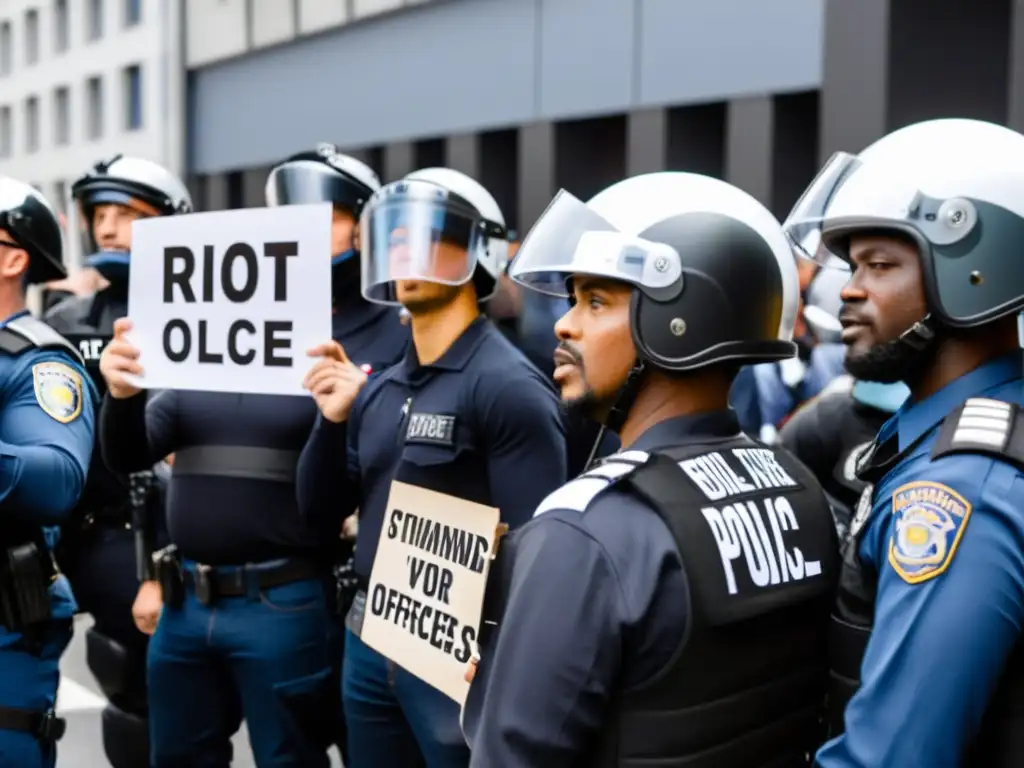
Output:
x=230 y=301
x=426 y=591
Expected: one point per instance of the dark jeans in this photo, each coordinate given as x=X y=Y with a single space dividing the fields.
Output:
x=395 y=720
x=266 y=656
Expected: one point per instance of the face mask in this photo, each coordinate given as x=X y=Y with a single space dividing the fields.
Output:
x=112 y=265
x=345 y=273
x=884 y=397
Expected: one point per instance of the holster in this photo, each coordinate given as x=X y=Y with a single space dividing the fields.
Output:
x=26 y=572
x=168 y=572
x=144 y=496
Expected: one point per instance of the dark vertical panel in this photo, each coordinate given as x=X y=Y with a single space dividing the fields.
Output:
x=794 y=148
x=235 y=197
x=536 y=171
x=646 y=141
x=499 y=162
x=399 y=160
x=462 y=153
x=856 y=51
x=748 y=147
x=1015 y=86
x=429 y=153
x=960 y=68
x=696 y=139
x=590 y=154
x=216 y=196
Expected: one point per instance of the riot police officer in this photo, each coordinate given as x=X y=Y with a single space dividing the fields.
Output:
x=463 y=414
x=98 y=549
x=670 y=605
x=371 y=333
x=246 y=626
x=927 y=659
x=46 y=430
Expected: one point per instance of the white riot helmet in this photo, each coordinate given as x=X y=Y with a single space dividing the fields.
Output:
x=956 y=188
x=132 y=182
x=425 y=209
x=714 y=275
x=324 y=175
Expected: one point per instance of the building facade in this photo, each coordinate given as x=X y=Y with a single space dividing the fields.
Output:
x=533 y=95
x=83 y=80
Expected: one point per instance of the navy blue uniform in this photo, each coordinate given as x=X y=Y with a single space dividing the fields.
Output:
x=46 y=440
x=263 y=649
x=496 y=437
x=598 y=605
x=943 y=539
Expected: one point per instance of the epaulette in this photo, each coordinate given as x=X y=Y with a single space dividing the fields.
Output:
x=27 y=332
x=577 y=495
x=983 y=426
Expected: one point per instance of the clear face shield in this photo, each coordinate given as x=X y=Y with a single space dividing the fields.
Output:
x=570 y=238
x=416 y=231
x=849 y=194
x=307 y=181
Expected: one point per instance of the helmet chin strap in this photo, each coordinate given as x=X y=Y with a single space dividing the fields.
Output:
x=920 y=334
x=617 y=416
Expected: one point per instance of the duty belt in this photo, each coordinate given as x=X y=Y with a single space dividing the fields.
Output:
x=210 y=582
x=45 y=726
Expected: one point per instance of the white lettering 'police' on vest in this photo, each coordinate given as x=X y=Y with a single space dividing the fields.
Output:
x=752 y=531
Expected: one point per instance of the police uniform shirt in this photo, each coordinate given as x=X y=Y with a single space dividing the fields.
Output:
x=47 y=422
x=946 y=540
x=232 y=494
x=480 y=423
x=598 y=603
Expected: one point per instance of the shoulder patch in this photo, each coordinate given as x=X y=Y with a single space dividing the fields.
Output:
x=928 y=522
x=58 y=389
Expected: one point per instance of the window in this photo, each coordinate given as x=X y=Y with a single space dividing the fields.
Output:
x=6 y=132
x=62 y=116
x=60 y=193
x=6 y=51
x=61 y=29
x=132 y=12
x=133 y=97
x=31 y=36
x=94 y=20
x=94 y=108
x=32 y=124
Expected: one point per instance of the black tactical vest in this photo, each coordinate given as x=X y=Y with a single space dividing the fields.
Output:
x=746 y=687
x=88 y=324
x=1000 y=742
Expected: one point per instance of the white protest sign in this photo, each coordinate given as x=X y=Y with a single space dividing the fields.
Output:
x=230 y=301
x=426 y=591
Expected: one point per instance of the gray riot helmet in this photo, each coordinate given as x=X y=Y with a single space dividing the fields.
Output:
x=713 y=275
x=30 y=221
x=323 y=175
x=955 y=188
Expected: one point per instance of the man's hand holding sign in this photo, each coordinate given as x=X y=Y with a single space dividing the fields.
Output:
x=221 y=302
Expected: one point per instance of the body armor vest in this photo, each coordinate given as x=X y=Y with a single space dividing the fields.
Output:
x=1000 y=741
x=88 y=324
x=746 y=686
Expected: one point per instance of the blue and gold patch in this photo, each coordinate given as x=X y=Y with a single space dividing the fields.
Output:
x=928 y=522
x=58 y=391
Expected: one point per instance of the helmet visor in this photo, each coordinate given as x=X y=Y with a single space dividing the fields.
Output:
x=570 y=238
x=307 y=182
x=415 y=232
x=849 y=195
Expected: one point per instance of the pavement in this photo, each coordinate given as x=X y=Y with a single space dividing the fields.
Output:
x=80 y=703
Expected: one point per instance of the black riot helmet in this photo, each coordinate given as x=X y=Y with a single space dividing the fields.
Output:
x=323 y=175
x=714 y=278
x=33 y=226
